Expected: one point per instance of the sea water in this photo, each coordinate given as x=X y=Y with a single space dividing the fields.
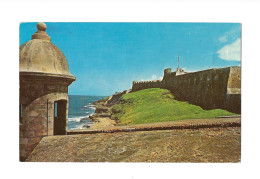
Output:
x=80 y=108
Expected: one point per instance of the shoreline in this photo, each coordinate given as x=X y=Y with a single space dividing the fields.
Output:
x=102 y=123
x=102 y=116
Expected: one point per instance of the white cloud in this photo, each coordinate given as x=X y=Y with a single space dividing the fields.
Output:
x=223 y=38
x=231 y=52
x=231 y=35
x=154 y=76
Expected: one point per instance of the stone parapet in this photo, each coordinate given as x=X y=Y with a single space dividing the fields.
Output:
x=172 y=127
x=146 y=84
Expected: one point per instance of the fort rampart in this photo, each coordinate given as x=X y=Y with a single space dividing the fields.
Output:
x=210 y=89
x=139 y=85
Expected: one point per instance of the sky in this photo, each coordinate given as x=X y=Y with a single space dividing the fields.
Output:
x=107 y=57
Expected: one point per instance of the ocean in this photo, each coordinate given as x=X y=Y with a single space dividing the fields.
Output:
x=80 y=108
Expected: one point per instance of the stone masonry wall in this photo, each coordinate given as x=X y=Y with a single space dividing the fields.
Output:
x=146 y=84
x=37 y=98
x=234 y=90
x=210 y=89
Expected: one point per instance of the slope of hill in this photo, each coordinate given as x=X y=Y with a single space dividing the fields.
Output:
x=158 y=105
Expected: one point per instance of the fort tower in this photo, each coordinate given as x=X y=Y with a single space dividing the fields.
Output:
x=44 y=80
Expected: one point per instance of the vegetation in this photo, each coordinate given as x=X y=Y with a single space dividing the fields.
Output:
x=158 y=105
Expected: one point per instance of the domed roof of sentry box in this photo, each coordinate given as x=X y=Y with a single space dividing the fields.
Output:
x=40 y=56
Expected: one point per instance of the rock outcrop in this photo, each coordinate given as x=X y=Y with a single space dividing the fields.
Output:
x=115 y=98
x=103 y=107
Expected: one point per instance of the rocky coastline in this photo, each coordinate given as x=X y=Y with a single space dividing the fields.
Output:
x=103 y=116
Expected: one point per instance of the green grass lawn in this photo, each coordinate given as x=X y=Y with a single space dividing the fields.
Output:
x=158 y=105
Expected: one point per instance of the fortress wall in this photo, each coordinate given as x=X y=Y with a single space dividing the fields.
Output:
x=234 y=81
x=233 y=102
x=210 y=89
x=202 y=88
x=146 y=84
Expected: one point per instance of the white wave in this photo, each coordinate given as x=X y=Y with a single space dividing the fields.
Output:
x=81 y=126
x=77 y=127
x=89 y=106
x=77 y=119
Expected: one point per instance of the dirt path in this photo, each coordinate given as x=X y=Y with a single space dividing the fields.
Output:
x=103 y=123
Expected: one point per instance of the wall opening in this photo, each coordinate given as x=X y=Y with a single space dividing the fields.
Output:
x=60 y=117
x=21 y=113
x=55 y=109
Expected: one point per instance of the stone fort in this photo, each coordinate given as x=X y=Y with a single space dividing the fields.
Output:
x=210 y=89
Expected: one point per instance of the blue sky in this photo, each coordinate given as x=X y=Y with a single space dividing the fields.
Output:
x=107 y=57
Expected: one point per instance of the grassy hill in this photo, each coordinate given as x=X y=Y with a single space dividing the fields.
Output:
x=158 y=105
